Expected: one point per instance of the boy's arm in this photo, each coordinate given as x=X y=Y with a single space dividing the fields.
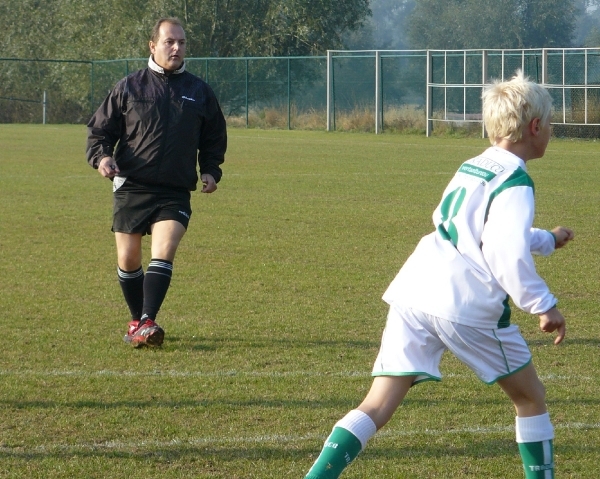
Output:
x=544 y=242
x=507 y=249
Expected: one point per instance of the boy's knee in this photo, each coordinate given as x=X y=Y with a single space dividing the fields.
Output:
x=532 y=402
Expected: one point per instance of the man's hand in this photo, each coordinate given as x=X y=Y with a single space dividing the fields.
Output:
x=562 y=236
x=553 y=320
x=208 y=183
x=108 y=167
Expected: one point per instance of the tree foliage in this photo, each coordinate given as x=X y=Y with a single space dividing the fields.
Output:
x=385 y=29
x=459 y=24
x=588 y=24
x=106 y=29
x=477 y=24
x=120 y=29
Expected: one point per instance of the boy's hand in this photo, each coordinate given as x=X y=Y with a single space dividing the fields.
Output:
x=562 y=236
x=553 y=320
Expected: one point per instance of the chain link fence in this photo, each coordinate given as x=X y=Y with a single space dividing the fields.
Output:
x=360 y=90
x=286 y=92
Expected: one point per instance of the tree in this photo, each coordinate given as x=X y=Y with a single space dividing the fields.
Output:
x=459 y=24
x=588 y=23
x=278 y=27
x=546 y=23
x=120 y=29
x=385 y=29
x=107 y=29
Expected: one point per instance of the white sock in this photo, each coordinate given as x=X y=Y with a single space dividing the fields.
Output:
x=359 y=424
x=534 y=428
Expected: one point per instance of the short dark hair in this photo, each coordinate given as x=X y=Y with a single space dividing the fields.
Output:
x=156 y=30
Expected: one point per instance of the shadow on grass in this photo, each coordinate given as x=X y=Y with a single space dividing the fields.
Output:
x=212 y=344
x=202 y=343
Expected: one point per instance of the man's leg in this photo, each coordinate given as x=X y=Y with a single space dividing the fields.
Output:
x=351 y=433
x=166 y=236
x=130 y=272
x=534 y=430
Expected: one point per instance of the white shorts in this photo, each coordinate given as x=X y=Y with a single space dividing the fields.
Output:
x=413 y=343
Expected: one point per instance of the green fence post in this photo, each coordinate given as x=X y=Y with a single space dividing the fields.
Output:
x=246 y=93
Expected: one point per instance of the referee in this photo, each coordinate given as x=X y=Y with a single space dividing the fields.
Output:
x=149 y=136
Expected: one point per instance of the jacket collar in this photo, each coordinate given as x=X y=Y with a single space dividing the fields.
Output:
x=158 y=69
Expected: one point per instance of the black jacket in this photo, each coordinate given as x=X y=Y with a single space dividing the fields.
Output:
x=163 y=125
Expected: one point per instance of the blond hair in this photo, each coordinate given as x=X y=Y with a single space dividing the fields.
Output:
x=509 y=106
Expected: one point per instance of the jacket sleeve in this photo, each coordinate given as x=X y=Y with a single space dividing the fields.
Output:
x=507 y=250
x=213 y=139
x=543 y=242
x=104 y=128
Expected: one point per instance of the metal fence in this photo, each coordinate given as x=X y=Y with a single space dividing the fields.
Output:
x=455 y=81
x=366 y=90
x=248 y=88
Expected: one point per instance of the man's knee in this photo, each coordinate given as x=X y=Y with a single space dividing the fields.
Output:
x=129 y=251
x=166 y=236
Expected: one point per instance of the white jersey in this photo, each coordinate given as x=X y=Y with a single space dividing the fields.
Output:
x=481 y=250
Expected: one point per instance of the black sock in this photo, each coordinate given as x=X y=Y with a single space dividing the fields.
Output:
x=132 y=285
x=156 y=284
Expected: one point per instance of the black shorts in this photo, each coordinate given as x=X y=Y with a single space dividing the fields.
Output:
x=136 y=207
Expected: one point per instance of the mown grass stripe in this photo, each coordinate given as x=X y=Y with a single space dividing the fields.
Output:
x=268 y=439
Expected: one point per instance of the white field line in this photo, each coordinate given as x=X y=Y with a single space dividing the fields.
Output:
x=249 y=374
x=262 y=439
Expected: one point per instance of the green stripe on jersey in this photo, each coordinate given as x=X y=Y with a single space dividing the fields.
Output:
x=504 y=321
x=519 y=177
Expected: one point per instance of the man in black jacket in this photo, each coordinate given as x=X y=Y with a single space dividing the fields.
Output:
x=163 y=122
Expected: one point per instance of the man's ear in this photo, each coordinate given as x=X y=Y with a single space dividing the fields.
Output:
x=534 y=126
x=151 y=46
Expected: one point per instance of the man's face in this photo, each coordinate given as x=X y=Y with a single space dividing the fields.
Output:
x=169 y=49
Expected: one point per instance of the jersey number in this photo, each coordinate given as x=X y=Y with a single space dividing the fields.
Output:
x=449 y=209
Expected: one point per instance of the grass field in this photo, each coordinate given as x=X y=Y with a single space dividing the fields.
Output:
x=274 y=316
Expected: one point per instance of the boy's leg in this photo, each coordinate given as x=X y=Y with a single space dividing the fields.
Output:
x=534 y=430
x=351 y=433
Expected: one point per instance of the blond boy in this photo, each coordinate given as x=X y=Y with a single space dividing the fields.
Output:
x=452 y=292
